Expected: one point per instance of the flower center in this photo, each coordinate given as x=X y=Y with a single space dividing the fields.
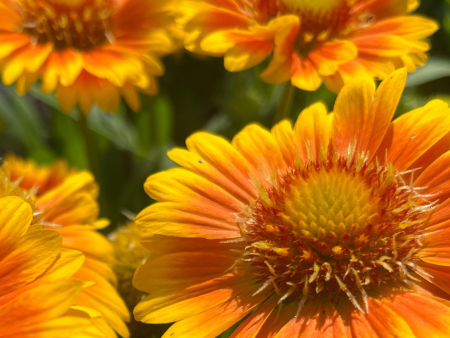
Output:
x=316 y=7
x=80 y=24
x=320 y=20
x=335 y=226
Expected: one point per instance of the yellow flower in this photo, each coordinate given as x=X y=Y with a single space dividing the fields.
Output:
x=70 y=209
x=37 y=292
x=336 y=227
x=309 y=42
x=130 y=254
x=34 y=176
x=89 y=51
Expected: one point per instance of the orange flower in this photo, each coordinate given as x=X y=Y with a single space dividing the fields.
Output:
x=70 y=208
x=336 y=227
x=309 y=42
x=129 y=254
x=31 y=175
x=89 y=51
x=38 y=292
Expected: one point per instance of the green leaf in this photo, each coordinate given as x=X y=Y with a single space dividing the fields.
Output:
x=23 y=124
x=436 y=68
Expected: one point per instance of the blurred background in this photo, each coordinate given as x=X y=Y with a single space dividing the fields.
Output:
x=195 y=94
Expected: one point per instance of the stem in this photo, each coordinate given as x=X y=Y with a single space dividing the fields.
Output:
x=89 y=146
x=285 y=106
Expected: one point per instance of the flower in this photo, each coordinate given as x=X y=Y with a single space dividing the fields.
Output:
x=337 y=227
x=129 y=254
x=32 y=175
x=70 y=209
x=309 y=42
x=36 y=287
x=88 y=51
x=36 y=272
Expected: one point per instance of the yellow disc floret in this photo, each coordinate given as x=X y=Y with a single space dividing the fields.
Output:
x=79 y=24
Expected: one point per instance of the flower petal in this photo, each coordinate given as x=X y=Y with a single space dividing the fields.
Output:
x=216 y=320
x=259 y=147
x=412 y=134
x=435 y=179
x=230 y=162
x=312 y=131
x=353 y=116
x=252 y=325
x=15 y=219
x=426 y=316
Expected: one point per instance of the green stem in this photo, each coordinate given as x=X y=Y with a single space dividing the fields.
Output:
x=285 y=106
x=89 y=145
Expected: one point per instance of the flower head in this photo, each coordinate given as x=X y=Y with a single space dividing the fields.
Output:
x=129 y=254
x=70 y=209
x=336 y=227
x=309 y=42
x=89 y=51
x=37 y=274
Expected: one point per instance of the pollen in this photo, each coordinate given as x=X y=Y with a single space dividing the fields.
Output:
x=335 y=227
x=79 y=24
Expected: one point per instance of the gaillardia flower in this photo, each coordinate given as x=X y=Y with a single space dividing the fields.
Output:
x=309 y=42
x=129 y=254
x=88 y=51
x=69 y=207
x=35 y=273
x=34 y=176
x=337 y=227
x=38 y=293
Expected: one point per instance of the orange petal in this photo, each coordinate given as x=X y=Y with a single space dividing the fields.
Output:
x=284 y=136
x=246 y=55
x=376 y=68
x=88 y=241
x=330 y=55
x=178 y=269
x=426 y=316
x=35 y=252
x=11 y=42
x=382 y=110
x=15 y=219
x=412 y=134
x=436 y=179
x=411 y=27
x=230 y=162
x=385 y=46
x=252 y=325
x=316 y=319
x=259 y=147
x=312 y=131
x=197 y=164
x=436 y=248
x=353 y=117
x=199 y=218
x=73 y=202
x=103 y=297
x=304 y=74
x=277 y=320
x=437 y=275
x=172 y=305
x=431 y=155
x=34 y=306
x=374 y=324
x=439 y=218
x=216 y=320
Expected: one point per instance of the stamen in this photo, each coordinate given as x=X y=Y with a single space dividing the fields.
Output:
x=349 y=294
